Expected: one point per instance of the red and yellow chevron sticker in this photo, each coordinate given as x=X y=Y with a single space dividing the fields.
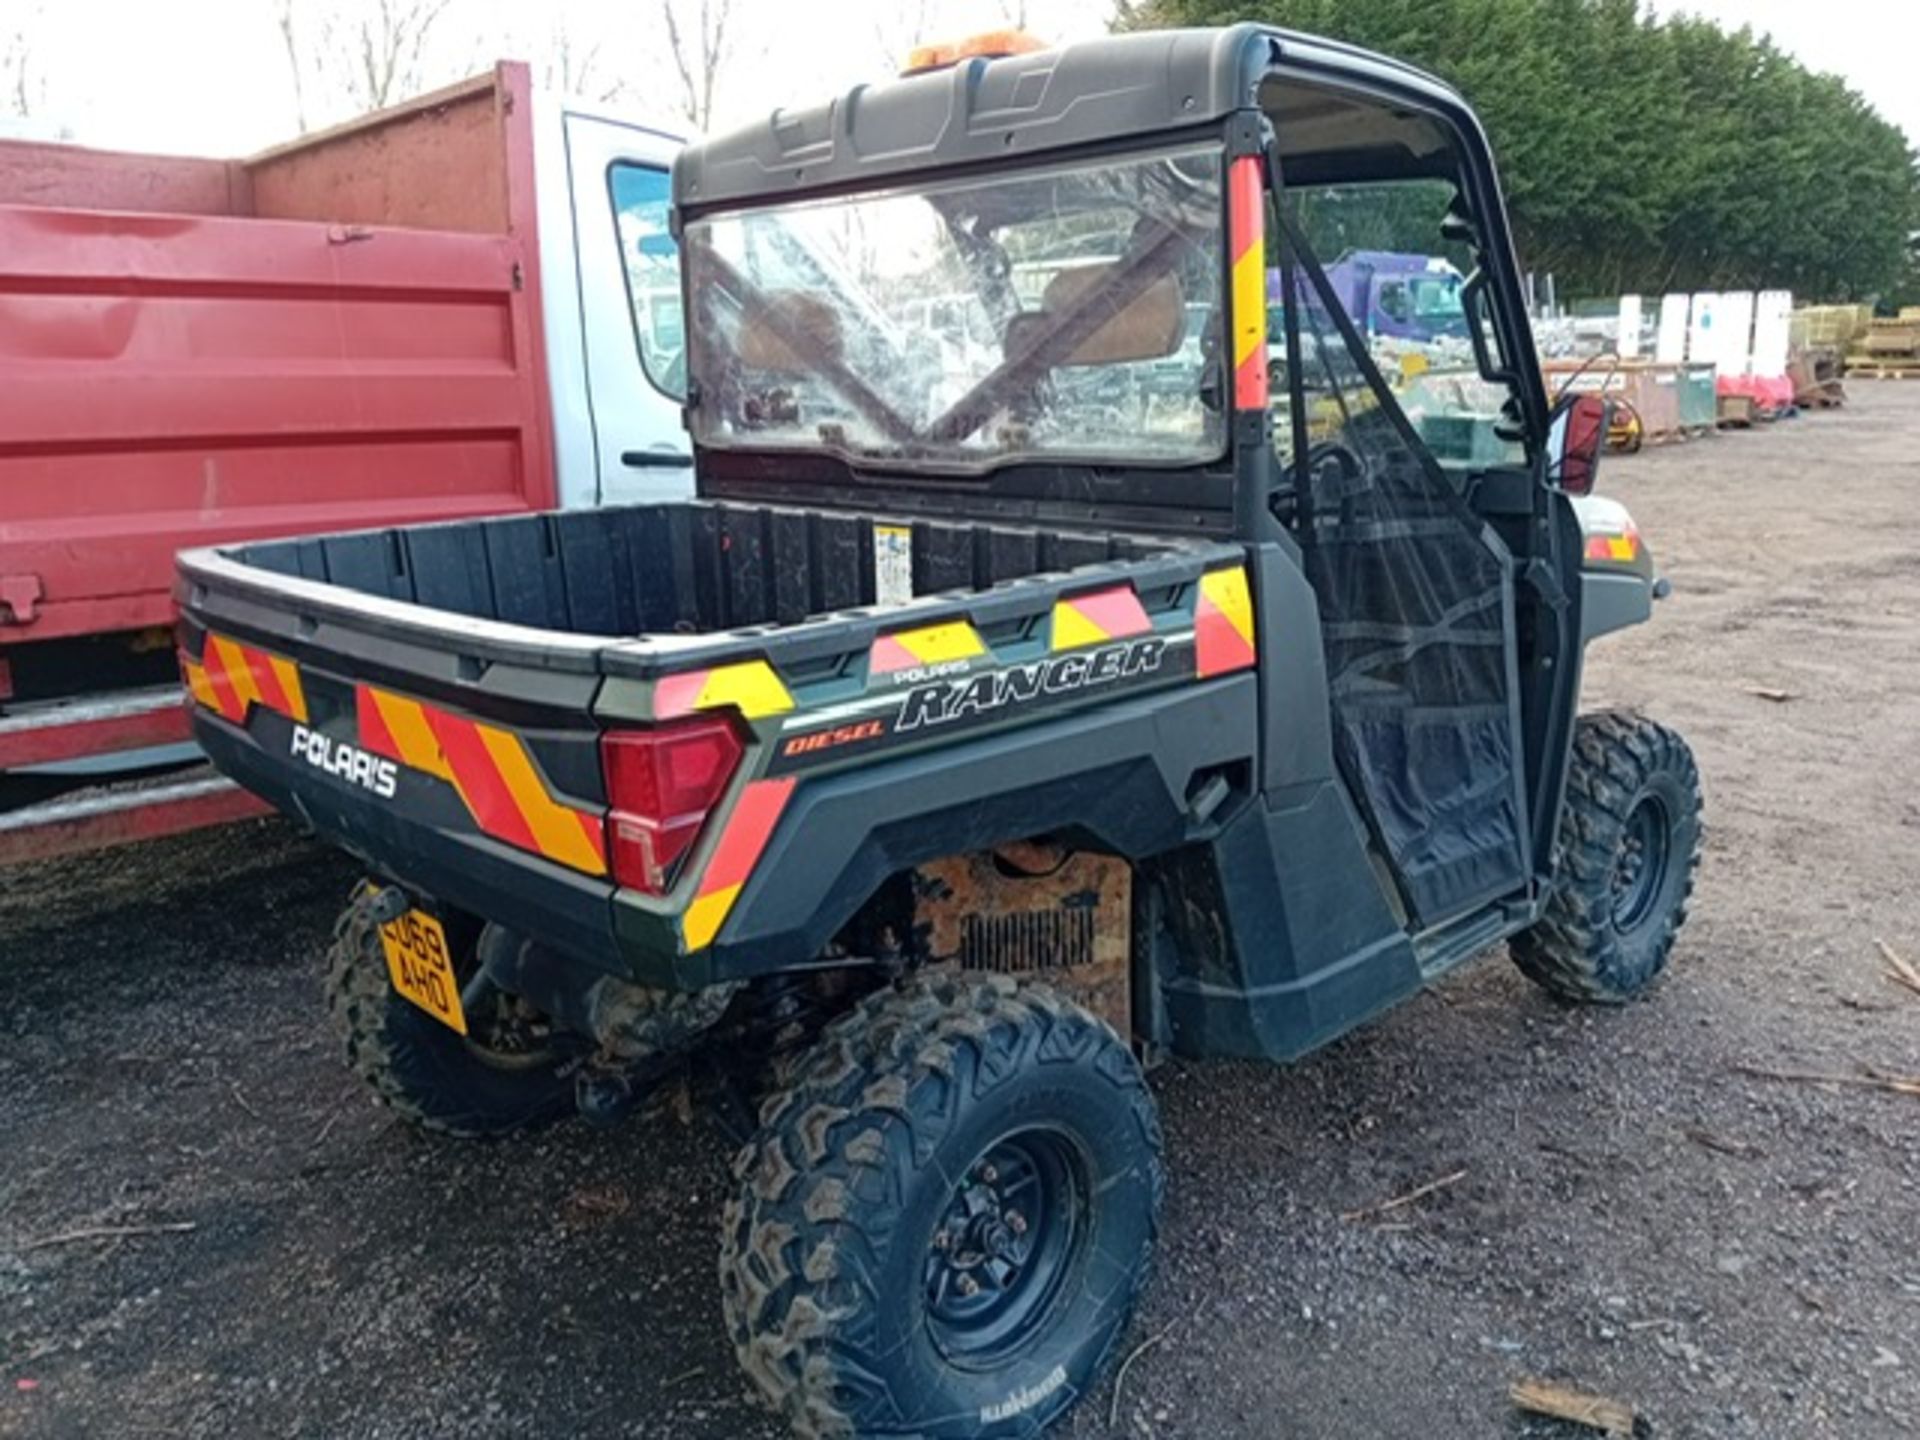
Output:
x=928 y=645
x=231 y=678
x=752 y=687
x=1247 y=238
x=1111 y=614
x=748 y=829
x=1223 y=623
x=491 y=771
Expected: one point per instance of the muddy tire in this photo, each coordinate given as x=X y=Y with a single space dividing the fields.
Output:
x=439 y=1080
x=1629 y=845
x=945 y=1220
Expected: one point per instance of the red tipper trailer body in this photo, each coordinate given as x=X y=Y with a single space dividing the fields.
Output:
x=196 y=351
x=339 y=333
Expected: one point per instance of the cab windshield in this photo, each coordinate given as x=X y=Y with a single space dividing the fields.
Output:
x=1071 y=313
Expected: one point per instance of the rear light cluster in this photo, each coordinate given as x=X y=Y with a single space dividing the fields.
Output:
x=661 y=785
x=1622 y=545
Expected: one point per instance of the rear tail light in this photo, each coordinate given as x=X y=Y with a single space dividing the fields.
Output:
x=661 y=784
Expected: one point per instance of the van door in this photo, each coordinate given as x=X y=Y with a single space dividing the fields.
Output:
x=632 y=338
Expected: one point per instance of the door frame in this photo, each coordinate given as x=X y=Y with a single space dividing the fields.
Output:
x=1299 y=265
x=604 y=403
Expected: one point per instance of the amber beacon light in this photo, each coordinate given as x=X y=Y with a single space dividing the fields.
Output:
x=988 y=45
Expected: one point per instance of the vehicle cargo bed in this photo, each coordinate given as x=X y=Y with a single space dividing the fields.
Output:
x=434 y=697
x=691 y=568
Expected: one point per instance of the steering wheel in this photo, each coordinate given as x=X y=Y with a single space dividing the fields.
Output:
x=1334 y=468
x=1333 y=473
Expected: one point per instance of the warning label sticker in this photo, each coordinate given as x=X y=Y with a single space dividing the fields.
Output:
x=892 y=564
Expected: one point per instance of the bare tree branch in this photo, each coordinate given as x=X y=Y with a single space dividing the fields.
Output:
x=698 y=57
x=22 y=90
x=714 y=54
x=903 y=27
x=289 y=38
x=572 y=66
x=677 y=50
x=388 y=46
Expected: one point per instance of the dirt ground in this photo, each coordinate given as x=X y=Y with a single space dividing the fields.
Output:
x=1638 y=1215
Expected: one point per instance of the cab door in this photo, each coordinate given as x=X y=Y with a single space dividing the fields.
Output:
x=1387 y=440
x=632 y=341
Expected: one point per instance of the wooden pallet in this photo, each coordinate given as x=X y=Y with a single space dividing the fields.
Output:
x=1671 y=436
x=1903 y=370
x=1814 y=391
x=1861 y=361
x=1626 y=443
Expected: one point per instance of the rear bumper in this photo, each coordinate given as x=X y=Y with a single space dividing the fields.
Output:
x=1612 y=601
x=401 y=841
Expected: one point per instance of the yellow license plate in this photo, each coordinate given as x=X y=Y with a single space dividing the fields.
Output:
x=421 y=966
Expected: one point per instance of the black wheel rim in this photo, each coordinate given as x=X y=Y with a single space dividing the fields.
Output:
x=503 y=1031
x=1000 y=1252
x=1640 y=865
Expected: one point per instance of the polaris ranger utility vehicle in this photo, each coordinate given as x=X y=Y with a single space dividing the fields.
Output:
x=998 y=716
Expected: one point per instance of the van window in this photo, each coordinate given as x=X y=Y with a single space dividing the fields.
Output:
x=650 y=256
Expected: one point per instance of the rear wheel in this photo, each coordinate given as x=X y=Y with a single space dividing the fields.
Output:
x=945 y=1220
x=506 y=1074
x=1628 y=848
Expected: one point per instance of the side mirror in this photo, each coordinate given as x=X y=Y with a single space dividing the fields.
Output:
x=1576 y=435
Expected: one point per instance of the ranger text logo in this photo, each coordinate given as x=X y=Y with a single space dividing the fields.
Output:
x=956 y=699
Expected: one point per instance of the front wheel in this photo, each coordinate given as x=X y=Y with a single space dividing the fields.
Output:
x=1629 y=844
x=945 y=1220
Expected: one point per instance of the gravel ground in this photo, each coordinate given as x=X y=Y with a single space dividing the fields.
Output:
x=1736 y=1256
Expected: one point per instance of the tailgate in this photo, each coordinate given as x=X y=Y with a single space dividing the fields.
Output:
x=467 y=773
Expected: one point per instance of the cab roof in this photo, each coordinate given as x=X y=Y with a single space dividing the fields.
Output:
x=1135 y=86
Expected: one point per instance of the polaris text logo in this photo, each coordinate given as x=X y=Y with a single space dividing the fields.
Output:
x=920 y=674
x=948 y=700
x=349 y=762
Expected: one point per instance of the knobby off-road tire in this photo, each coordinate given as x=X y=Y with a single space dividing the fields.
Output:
x=1629 y=845
x=436 y=1078
x=1003 y=1118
